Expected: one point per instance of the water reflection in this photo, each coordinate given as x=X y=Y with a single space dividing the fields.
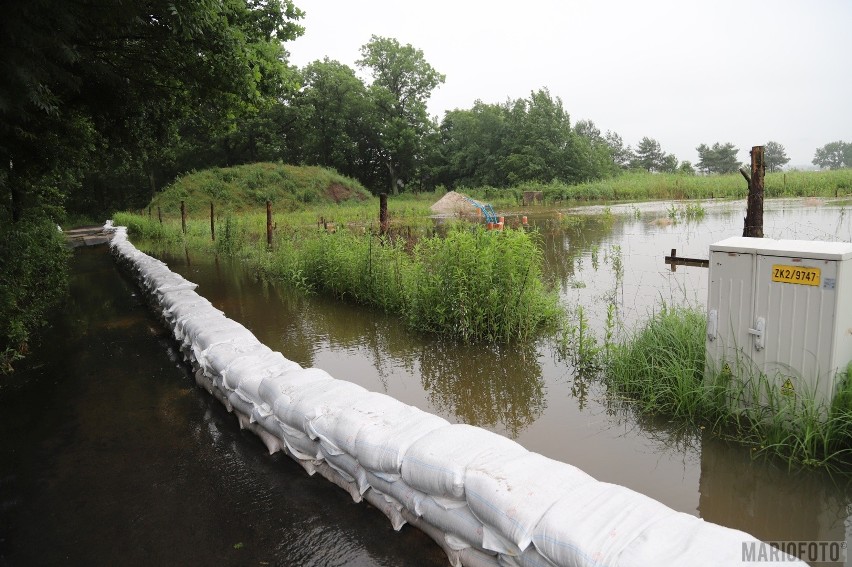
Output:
x=768 y=500
x=484 y=386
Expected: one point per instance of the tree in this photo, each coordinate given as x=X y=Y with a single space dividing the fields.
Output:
x=774 y=156
x=621 y=155
x=833 y=155
x=333 y=119
x=720 y=158
x=473 y=146
x=119 y=81
x=402 y=83
x=541 y=146
x=649 y=156
x=98 y=99
x=686 y=168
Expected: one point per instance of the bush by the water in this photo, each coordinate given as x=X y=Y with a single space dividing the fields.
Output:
x=472 y=284
x=33 y=279
x=661 y=370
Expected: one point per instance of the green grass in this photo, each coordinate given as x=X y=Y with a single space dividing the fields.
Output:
x=641 y=186
x=660 y=370
x=466 y=283
x=249 y=187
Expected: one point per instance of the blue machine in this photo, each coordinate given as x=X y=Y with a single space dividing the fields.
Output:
x=487 y=210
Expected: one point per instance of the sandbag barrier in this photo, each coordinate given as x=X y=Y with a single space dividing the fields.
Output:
x=483 y=498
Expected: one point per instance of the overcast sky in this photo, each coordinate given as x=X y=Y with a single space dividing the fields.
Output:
x=679 y=71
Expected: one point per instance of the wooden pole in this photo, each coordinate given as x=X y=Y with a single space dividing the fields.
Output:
x=183 y=216
x=212 y=224
x=269 y=223
x=383 y=213
x=159 y=214
x=753 y=225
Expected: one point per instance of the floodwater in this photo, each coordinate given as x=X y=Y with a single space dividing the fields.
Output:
x=115 y=454
x=110 y=455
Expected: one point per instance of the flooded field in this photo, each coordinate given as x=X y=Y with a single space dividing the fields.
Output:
x=125 y=442
x=596 y=257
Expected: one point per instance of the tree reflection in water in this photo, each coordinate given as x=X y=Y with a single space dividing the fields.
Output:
x=487 y=386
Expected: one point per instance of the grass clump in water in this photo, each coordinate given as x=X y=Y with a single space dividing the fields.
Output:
x=480 y=285
x=661 y=371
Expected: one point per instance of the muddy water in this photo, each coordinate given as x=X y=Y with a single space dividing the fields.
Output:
x=179 y=481
x=596 y=259
x=111 y=456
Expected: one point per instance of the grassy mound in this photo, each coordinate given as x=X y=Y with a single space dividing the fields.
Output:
x=246 y=188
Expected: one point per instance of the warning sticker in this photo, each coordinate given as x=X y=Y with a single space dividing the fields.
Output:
x=787 y=388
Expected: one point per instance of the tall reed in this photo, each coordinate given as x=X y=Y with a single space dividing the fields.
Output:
x=662 y=370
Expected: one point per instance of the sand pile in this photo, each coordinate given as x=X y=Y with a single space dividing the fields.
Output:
x=453 y=203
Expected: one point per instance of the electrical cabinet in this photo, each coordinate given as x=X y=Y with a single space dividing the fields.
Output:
x=781 y=311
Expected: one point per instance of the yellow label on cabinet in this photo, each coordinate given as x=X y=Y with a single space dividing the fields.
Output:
x=795 y=275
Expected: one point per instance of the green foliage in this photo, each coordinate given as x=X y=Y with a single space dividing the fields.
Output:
x=720 y=158
x=661 y=370
x=402 y=83
x=519 y=142
x=105 y=97
x=834 y=155
x=650 y=157
x=472 y=285
x=640 y=186
x=248 y=187
x=774 y=156
x=33 y=279
x=480 y=285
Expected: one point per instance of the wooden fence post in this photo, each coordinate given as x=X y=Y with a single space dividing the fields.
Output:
x=183 y=216
x=212 y=224
x=268 y=223
x=753 y=225
x=159 y=214
x=383 y=213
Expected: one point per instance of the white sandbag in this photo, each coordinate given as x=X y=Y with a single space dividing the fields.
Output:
x=203 y=381
x=333 y=476
x=180 y=303
x=513 y=495
x=338 y=431
x=298 y=407
x=240 y=406
x=592 y=526
x=410 y=498
x=323 y=399
x=220 y=395
x=461 y=528
x=246 y=373
x=273 y=444
x=298 y=444
x=217 y=357
x=275 y=387
x=529 y=558
x=471 y=557
x=436 y=534
x=347 y=464
x=436 y=462
x=387 y=506
x=376 y=429
x=189 y=325
x=205 y=337
x=682 y=539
